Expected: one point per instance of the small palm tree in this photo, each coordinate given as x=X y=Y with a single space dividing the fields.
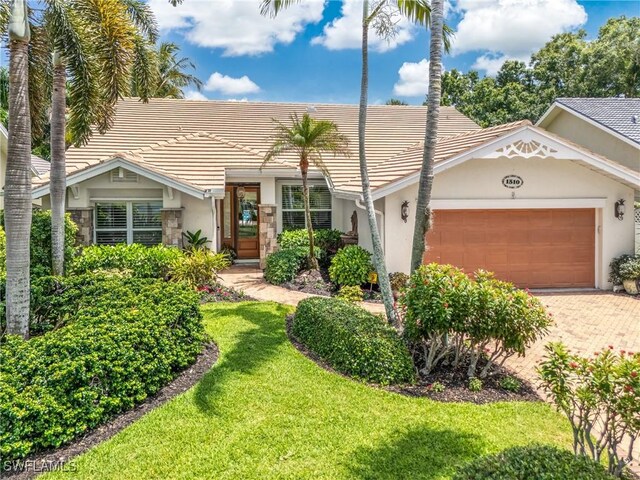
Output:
x=309 y=139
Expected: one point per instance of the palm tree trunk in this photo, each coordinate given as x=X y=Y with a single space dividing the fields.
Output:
x=17 y=219
x=378 y=253
x=58 y=180
x=425 y=186
x=304 y=170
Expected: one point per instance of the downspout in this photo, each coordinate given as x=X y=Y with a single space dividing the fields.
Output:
x=359 y=204
x=214 y=224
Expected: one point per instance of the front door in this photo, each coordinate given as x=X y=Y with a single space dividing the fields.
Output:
x=240 y=220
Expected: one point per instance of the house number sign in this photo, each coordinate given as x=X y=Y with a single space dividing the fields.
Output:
x=512 y=181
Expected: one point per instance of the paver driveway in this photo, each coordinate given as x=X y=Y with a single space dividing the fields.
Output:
x=586 y=322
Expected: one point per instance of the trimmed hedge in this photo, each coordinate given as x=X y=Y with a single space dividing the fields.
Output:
x=122 y=340
x=328 y=240
x=353 y=341
x=143 y=262
x=532 y=462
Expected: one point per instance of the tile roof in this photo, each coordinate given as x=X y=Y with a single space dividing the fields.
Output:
x=195 y=141
x=40 y=165
x=409 y=161
x=616 y=113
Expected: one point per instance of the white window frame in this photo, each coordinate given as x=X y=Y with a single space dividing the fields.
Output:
x=298 y=183
x=129 y=215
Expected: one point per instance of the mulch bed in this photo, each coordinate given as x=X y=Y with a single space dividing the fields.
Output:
x=318 y=283
x=455 y=382
x=58 y=459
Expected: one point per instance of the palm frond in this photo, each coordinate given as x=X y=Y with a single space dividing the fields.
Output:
x=143 y=18
x=419 y=11
x=144 y=72
x=273 y=7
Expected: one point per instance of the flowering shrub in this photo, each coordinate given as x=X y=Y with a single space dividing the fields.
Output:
x=351 y=266
x=615 y=274
x=600 y=395
x=449 y=316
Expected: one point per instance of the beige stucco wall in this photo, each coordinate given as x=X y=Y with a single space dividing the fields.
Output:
x=481 y=179
x=595 y=139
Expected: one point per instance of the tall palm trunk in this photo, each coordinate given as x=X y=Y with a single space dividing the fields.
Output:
x=304 y=171
x=17 y=219
x=425 y=186
x=378 y=253
x=58 y=181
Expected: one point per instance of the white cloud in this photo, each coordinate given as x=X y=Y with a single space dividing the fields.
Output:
x=512 y=29
x=346 y=31
x=194 y=95
x=413 y=79
x=235 y=26
x=230 y=86
x=245 y=99
x=491 y=63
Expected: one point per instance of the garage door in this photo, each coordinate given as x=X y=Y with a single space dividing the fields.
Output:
x=532 y=248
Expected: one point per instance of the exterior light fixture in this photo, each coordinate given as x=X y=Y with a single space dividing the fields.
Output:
x=404 y=211
x=619 y=209
x=240 y=193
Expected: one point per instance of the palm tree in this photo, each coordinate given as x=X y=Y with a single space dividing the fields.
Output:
x=120 y=30
x=309 y=139
x=383 y=22
x=171 y=75
x=425 y=186
x=18 y=174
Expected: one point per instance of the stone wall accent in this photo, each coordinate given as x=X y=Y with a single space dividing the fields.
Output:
x=268 y=232
x=172 y=226
x=83 y=218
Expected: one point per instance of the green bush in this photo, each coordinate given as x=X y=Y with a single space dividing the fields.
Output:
x=451 y=317
x=630 y=270
x=532 y=462
x=124 y=339
x=398 y=280
x=352 y=340
x=351 y=294
x=510 y=384
x=41 y=241
x=615 y=274
x=199 y=267
x=283 y=266
x=327 y=240
x=351 y=266
x=475 y=385
x=141 y=261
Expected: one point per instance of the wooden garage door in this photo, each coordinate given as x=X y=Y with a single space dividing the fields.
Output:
x=531 y=248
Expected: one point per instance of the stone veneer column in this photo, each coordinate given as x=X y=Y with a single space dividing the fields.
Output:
x=83 y=218
x=268 y=232
x=172 y=226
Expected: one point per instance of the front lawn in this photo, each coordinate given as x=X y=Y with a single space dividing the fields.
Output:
x=266 y=411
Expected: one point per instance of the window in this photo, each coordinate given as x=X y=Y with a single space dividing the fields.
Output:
x=293 y=207
x=128 y=222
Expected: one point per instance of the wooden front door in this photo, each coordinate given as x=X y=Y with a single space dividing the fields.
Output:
x=240 y=220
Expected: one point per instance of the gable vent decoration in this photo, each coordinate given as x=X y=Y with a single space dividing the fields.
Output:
x=526 y=149
x=120 y=175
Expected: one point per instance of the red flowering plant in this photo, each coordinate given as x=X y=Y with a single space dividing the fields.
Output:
x=600 y=396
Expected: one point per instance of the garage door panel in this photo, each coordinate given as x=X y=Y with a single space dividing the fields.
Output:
x=531 y=248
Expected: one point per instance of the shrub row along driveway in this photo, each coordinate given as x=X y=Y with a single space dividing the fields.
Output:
x=266 y=411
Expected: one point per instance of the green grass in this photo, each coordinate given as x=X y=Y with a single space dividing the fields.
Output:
x=266 y=411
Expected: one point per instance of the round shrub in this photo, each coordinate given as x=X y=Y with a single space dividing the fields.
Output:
x=283 y=266
x=353 y=341
x=141 y=261
x=123 y=340
x=351 y=266
x=532 y=462
x=351 y=294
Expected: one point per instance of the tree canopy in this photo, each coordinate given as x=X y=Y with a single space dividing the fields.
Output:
x=569 y=65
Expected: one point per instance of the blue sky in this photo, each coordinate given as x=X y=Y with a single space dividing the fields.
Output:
x=310 y=52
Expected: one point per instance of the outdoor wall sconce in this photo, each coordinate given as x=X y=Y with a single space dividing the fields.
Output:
x=619 y=209
x=404 y=211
